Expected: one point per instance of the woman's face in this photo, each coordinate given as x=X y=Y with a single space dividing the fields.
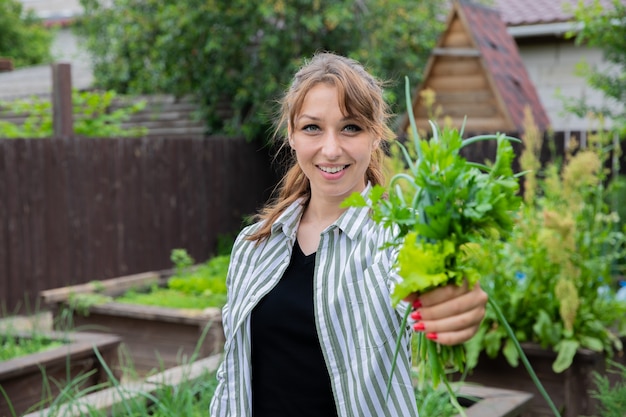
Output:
x=332 y=149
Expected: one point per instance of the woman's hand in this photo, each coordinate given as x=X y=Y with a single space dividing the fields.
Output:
x=450 y=315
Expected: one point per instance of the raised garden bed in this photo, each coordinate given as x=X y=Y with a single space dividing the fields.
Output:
x=154 y=338
x=490 y=402
x=569 y=390
x=27 y=379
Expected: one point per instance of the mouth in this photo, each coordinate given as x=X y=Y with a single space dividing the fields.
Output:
x=332 y=170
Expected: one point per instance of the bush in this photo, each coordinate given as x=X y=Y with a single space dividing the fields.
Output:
x=92 y=116
x=23 y=38
x=236 y=57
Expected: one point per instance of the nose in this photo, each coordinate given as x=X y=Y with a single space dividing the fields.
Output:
x=331 y=147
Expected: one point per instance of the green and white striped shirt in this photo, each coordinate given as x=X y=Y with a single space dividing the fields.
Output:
x=356 y=323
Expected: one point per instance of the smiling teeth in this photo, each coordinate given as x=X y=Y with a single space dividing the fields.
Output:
x=332 y=170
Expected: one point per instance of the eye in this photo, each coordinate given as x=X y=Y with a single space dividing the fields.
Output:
x=352 y=128
x=310 y=128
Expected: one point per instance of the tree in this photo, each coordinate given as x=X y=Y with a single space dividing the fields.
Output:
x=604 y=28
x=22 y=36
x=237 y=56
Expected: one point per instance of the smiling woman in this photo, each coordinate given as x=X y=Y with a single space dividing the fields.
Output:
x=309 y=323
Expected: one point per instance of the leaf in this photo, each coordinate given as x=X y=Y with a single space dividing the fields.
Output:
x=544 y=328
x=592 y=343
x=473 y=347
x=422 y=266
x=510 y=353
x=493 y=343
x=566 y=351
x=354 y=200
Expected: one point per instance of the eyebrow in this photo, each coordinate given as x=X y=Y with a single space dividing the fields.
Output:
x=345 y=119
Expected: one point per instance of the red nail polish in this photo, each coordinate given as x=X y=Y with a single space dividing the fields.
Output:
x=416 y=315
x=432 y=336
x=417 y=303
x=418 y=327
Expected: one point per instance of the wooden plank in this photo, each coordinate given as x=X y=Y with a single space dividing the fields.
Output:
x=112 y=287
x=456 y=25
x=56 y=216
x=456 y=52
x=5 y=167
x=78 y=195
x=483 y=124
x=455 y=66
x=479 y=110
x=460 y=110
x=62 y=112
x=34 y=214
x=478 y=96
x=14 y=230
x=495 y=402
x=132 y=391
x=450 y=83
x=457 y=39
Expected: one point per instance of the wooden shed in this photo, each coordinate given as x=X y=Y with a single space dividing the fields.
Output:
x=475 y=72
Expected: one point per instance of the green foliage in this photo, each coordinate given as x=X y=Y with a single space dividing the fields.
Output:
x=92 y=116
x=554 y=280
x=605 y=28
x=13 y=346
x=208 y=278
x=434 y=402
x=23 y=38
x=182 y=261
x=237 y=56
x=81 y=302
x=611 y=398
x=190 y=287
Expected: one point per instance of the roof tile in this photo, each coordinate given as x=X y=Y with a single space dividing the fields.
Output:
x=533 y=12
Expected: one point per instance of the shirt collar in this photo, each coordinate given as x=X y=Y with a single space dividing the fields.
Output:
x=351 y=222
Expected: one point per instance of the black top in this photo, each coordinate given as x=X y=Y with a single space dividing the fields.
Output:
x=289 y=375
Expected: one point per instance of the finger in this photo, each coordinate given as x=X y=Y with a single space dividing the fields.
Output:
x=436 y=295
x=453 y=338
x=468 y=301
x=467 y=320
x=443 y=294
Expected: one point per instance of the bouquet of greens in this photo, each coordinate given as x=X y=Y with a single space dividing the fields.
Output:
x=442 y=208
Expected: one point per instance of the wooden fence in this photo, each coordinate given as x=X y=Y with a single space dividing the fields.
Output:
x=76 y=210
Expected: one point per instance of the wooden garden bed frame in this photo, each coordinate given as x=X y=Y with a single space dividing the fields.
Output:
x=153 y=338
x=25 y=379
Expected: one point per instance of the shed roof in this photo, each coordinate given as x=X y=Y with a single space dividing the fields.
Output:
x=534 y=12
x=476 y=72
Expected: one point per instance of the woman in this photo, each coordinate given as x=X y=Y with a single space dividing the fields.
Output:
x=309 y=325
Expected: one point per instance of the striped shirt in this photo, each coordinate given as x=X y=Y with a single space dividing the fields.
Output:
x=356 y=323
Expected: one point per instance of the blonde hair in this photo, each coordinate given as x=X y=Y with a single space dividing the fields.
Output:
x=360 y=97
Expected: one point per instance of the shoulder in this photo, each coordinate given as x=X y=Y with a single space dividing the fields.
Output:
x=242 y=242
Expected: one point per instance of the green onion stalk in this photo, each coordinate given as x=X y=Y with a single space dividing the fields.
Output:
x=442 y=208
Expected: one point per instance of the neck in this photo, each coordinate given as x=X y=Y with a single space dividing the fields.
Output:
x=322 y=212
